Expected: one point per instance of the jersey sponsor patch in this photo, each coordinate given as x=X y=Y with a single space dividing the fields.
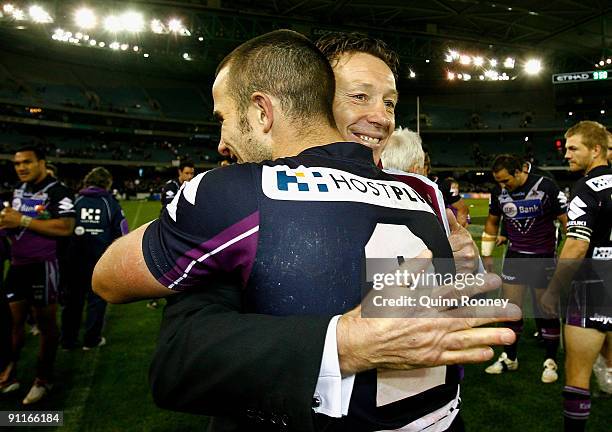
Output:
x=522 y=209
x=602 y=253
x=575 y=208
x=65 y=205
x=328 y=184
x=600 y=183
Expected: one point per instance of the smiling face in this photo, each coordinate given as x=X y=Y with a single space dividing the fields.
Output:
x=28 y=167
x=365 y=99
x=237 y=141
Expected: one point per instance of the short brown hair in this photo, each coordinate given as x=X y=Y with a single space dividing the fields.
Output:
x=334 y=45
x=593 y=134
x=100 y=177
x=287 y=65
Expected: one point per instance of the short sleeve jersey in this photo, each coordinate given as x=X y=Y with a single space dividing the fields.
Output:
x=529 y=213
x=48 y=199
x=169 y=191
x=294 y=234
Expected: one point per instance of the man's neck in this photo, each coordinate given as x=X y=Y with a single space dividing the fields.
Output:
x=39 y=180
x=295 y=143
x=596 y=163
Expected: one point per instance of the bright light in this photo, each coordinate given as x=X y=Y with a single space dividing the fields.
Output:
x=79 y=35
x=448 y=58
x=132 y=21
x=146 y=55
x=175 y=25
x=533 y=66
x=491 y=74
x=459 y=76
x=112 y=23
x=186 y=56
x=493 y=62
x=157 y=26
x=509 y=63
x=608 y=61
x=526 y=139
x=101 y=44
x=478 y=61
x=602 y=111
x=85 y=18
x=124 y=47
x=115 y=45
x=135 y=48
x=454 y=54
x=467 y=77
x=18 y=14
x=465 y=59
x=481 y=77
x=201 y=38
x=92 y=42
x=426 y=60
x=570 y=113
x=601 y=63
x=412 y=74
x=86 y=37
x=8 y=8
x=450 y=75
x=39 y=15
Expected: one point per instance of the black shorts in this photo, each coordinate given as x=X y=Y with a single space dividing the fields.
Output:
x=534 y=270
x=36 y=283
x=590 y=305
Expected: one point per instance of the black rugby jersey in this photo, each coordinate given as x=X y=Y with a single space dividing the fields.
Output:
x=169 y=191
x=293 y=233
x=529 y=213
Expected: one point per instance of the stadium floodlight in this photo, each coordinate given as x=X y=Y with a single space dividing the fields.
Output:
x=187 y=57
x=493 y=62
x=467 y=77
x=86 y=37
x=602 y=112
x=526 y=139
x=135 y=48
x=112 y=24
x=491 y=74
x=8 y=8
x=78 y=35
x=412 y=74
x=101 y=44
x=533 y=66
x=427 y=60
x=18 y=14
x=157 y=26
x=454 y=54
x=509 y=63
x=465 y=59
x=201 y=38
x=608 y=60
x=132 y=21
x=175 y=25
x=601 y=63
x=146 y=55
x=570 y=113
x=478 y=61
x=114 y=45
x=460 y=76
x=124 y=47
x=39 y=15
x=448 y=58
x=92 y=42
x=450 y=75
x=85 y=18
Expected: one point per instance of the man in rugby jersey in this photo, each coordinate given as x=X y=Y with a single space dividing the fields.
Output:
x=529 y=204
x=269 y=131
x=41 y=210
x=585 y=264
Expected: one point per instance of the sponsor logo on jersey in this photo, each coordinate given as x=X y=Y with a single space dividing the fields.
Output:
x=328 y=184
x=66 y=204
x=79 y=230
x=522 y=209
x=90 y=214
x=600 y=183
x=602 y=253
x=575 y=208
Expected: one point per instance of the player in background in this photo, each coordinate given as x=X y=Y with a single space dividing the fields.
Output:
x=529 y=204
x=585 y=263
x=100 y=221
x=42 y=209
x=186 y=171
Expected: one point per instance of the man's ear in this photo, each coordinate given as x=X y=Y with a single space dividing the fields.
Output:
x=265 y=110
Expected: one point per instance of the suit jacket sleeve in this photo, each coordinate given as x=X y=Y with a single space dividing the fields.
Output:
x=213 y=360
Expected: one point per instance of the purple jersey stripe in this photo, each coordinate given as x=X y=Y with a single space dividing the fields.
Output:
x=124 y=227
x=231 y=250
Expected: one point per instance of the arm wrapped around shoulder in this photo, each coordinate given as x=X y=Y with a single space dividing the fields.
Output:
x=487 y=244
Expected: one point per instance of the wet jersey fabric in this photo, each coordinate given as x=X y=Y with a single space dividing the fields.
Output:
x=529 y=213
x=293 y=234
x=48 y=199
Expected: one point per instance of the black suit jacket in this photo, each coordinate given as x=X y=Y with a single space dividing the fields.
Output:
x=252 y=372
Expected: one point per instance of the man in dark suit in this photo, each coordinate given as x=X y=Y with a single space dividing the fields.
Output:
x=278 y=376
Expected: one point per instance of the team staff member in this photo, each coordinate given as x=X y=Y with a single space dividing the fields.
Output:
x=42 y=210
x=279 y=124
x=530 y=205
x=585 y=260
x=100 y=221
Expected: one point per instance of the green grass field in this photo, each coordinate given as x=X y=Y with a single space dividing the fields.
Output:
x=106 y=389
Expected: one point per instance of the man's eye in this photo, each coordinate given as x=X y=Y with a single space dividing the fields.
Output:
x=390 y=104
x=360 y=97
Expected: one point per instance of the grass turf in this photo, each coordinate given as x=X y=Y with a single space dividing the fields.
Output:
x=106 y=389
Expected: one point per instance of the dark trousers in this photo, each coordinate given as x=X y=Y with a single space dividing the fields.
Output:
x=79 y=290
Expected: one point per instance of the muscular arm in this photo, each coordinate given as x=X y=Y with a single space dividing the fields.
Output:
x=492 y=225
x=121 y=275
x=563 y=219
x=61 y=227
